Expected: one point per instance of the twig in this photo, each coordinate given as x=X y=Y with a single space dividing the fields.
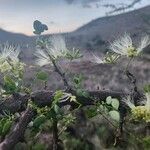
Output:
x=55 y=132
x=57 y=69
x=18 y=132
x=116 y=127
x=135 y=94
x=45 y=85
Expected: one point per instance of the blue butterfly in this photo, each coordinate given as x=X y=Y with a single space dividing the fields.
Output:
x=39 y=27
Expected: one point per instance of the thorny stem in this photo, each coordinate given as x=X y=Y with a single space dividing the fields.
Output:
x=45 y=85
x=58 y=70
x=120 y=131
x=55 y=132
x=55 y=121
x=62 y=130
x=135 y=94
x=125 y=130
x=148 y=129
x=128 y=64
x=106 y=118
x=122 y=117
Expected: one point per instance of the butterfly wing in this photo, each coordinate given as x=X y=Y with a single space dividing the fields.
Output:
x=39 y=27
x=44 y=27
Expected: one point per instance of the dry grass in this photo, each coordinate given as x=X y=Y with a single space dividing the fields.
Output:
x=97 y=76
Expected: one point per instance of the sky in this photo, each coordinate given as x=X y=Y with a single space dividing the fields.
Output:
x=59 y=15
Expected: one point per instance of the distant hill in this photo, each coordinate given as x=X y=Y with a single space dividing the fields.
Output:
x=96 y=34
x=99 y=32
x=13 y=37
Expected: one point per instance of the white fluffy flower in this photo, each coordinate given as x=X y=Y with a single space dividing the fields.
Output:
x=140 y=113
x=5 y=51
x=145 y=41
x=97 y=59
x=124 y=45
x=129 y=103
x=55 y=48
x=147 y=103
x=8 y=57
x=14 y=55
x=42 y=58
x=8 y=51
x=108 y=59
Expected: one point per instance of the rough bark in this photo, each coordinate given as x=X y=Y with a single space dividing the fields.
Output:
x=17 y=103
x=14 y=103
x=18 y=132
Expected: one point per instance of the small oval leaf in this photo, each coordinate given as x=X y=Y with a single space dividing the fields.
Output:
x=38 y=121
x=42 y=76
x=115 y=103
x=108 y=100
x=114 y=115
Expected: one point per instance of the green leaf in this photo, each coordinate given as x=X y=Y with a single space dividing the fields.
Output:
x=85 y=94
x=9 y=84
x=51 y=114
x=56 y=109
x=3 y=121
x=91 y=112
x=39 y=146
x=115 y=103
x=58 y=95
x=6 y=127
x=114 y=115
x=38 y=121
x=76 y=80
x=108 y=100
x=79 y=92
x=74 y=54
x=101 y=107
x=42 y=76
x=1 y=128
x=147 y=88
x=105 y=109
x=146 y=142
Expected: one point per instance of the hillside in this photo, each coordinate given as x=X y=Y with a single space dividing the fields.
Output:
x=96 y=34
x=100 y=31
x=13 y=37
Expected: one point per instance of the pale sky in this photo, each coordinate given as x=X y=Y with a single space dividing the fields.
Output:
x=59 y=15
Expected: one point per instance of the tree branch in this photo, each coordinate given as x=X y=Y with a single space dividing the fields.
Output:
x=57 y=69
x=14 y=103
x=18 y=132
x=136 y=96
x=44 y=98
